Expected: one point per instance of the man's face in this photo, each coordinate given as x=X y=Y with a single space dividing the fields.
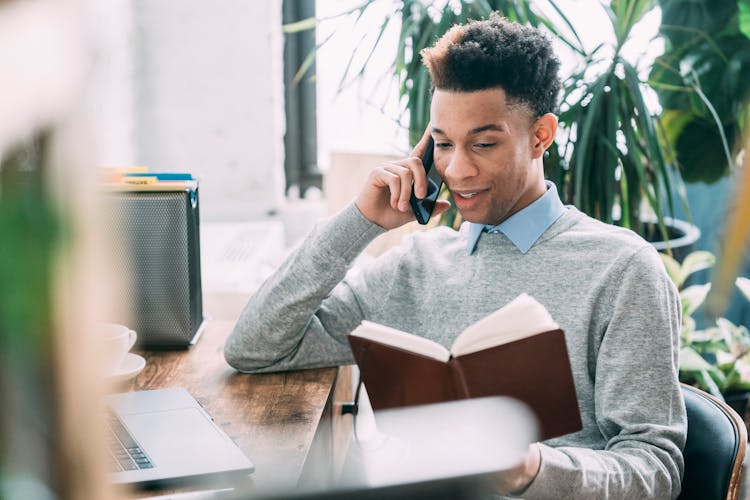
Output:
x=484 y=152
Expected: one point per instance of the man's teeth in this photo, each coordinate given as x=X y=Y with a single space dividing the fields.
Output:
x=467 y=195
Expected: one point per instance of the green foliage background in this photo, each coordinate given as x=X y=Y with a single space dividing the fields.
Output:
x=615 y=159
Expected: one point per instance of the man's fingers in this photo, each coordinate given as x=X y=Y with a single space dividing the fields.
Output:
x=418 y=175
x=405 y=176
x=383 y=178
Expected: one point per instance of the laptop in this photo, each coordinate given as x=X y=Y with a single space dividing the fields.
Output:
x=164 y=438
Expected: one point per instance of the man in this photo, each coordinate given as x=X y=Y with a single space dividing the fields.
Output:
x=495 y=87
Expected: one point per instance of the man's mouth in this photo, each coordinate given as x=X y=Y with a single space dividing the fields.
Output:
x=467 y=194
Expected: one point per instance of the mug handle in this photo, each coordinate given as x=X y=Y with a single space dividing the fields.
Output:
x=132 y=337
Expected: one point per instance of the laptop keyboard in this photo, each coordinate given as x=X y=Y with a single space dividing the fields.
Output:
x=125 y=452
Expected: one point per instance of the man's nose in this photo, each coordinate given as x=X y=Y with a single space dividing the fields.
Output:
x=460 y=166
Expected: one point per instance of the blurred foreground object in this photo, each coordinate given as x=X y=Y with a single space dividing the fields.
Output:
x=42 y=59
x=49 y=383
x=443 y=450
x=734 y=242
x=443 y=440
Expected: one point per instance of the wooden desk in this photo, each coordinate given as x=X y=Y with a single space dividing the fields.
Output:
x=288 y=424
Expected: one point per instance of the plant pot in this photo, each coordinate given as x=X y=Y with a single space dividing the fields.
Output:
x=682 y=237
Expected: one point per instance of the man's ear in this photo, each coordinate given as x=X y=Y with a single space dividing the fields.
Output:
x=542 y=134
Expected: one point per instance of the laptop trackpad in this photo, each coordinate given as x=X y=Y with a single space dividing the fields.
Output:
x=183 y=438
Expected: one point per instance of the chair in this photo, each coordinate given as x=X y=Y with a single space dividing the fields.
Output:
x=715 y=448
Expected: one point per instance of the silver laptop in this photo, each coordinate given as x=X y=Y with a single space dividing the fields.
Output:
x=164 y=438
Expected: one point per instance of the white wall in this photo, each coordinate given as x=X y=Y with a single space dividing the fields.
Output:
x=111 y=85
x=209 y=99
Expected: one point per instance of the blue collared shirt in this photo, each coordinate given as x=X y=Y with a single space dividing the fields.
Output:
x=524 y=227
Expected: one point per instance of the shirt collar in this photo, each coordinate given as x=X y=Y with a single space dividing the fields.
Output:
x=524 y=227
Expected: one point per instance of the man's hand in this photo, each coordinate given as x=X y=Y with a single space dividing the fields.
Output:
x=519 y=478
x=385 y=198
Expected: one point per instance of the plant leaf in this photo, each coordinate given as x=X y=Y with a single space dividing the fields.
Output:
x=719 y=126
x=383 y=27
x=725 y=360
x=694 y=262
x=717 y=376
x=673 y=268
x=703 y=380
x=688 y=326
x=744 y=17
x=647 y=131
x=691 y=361
x=308 y=62
x=744 y=286
x=743 y=369
x=578 y=47
x=709 y=340
x=692 y=297
x=302 y=25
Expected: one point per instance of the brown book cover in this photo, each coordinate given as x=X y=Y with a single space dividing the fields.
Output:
x=534 y=369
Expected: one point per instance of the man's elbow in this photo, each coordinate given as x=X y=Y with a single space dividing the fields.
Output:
x=245 y=360
x=235 y=359
x=240 y=357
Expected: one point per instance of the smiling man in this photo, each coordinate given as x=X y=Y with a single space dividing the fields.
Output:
x=495 y=90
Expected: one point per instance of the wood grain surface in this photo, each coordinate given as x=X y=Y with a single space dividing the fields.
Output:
x=273 y=418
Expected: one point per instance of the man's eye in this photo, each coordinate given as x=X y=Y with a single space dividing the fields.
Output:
x=486 y=145
x=442 y=145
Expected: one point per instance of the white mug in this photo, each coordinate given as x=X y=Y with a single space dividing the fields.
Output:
x=117 y=341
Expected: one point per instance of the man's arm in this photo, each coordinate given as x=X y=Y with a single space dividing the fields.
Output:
x=300 y=316
x=639 y=405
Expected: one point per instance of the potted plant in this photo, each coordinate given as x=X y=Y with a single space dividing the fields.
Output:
x=422 y=23
x=715 y=358
x=611 y=159
x=703 y=83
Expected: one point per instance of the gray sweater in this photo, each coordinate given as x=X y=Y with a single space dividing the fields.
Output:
x=605 y=286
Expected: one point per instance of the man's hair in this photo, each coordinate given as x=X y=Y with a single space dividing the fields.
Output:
x=497 y=53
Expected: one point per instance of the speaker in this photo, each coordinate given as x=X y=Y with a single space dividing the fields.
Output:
x=155 y=230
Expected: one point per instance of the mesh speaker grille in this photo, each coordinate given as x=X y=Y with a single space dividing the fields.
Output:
x=156 y=234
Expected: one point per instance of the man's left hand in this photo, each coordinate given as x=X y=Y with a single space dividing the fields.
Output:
x=515 y=480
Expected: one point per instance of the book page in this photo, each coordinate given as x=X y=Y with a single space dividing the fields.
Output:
x=520 y=318
x=402 y=340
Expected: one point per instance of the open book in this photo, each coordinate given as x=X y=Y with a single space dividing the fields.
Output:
x=517 y=351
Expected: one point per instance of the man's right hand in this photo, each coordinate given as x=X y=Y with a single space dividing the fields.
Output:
x=385 y=198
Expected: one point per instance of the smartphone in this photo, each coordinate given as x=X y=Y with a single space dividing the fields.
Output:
x=423 y=207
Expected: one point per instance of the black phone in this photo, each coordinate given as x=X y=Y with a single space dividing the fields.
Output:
x=423 y=207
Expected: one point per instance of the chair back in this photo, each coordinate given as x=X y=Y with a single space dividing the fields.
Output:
x=714 y=450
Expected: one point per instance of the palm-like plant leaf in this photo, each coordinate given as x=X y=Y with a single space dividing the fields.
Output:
x=703 y=77
x=618 y=160
x=613 y=157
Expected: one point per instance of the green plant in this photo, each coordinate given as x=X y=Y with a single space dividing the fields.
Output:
x=611 y=160
x=703 y=83
x=422 y=23
x=30 y=236
x=610 y=157
x=717 y=358
x=614 y=158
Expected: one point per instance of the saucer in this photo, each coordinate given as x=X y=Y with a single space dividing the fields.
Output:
x=132 y=365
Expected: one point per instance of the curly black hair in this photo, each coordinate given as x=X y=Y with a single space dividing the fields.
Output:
x=497 y=53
